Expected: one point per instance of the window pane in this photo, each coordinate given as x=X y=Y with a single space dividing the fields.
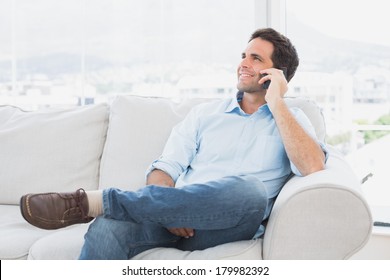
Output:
x=46 y=52
x=6 y=52
x=345 y=67
x=82 y=51
x=168 y=47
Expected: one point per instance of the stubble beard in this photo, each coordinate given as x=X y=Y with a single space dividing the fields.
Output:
x=252 y=88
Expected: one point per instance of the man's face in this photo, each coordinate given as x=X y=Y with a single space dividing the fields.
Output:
x=256 y=57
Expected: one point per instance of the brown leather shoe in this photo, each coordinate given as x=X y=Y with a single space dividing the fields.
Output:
x=55 y=210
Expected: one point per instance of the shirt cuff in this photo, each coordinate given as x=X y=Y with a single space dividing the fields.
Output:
x=163 y=167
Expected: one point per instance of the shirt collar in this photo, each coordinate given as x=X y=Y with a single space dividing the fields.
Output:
x=234 y=105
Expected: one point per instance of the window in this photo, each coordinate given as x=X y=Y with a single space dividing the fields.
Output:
x=345 y=67
x=82 y=51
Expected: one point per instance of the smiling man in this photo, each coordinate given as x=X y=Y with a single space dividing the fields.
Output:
x=217 y=177
x=263 y=57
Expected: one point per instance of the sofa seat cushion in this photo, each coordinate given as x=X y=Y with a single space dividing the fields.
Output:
x=50 y=150
x=64 y=244
x=17 y=236
x=239 y=250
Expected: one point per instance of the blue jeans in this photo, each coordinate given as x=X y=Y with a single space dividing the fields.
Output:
x=222 y=211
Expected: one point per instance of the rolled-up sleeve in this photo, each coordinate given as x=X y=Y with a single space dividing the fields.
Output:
x=180 y=148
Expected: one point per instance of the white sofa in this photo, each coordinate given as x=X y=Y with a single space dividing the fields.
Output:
x=321 y=216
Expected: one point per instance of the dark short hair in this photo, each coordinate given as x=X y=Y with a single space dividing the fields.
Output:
x=284 y=54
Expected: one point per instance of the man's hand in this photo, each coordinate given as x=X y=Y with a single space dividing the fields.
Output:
x=182 y=232
x=277 y=88
x=160 y=178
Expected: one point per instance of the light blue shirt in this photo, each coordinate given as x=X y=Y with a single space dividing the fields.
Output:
x=218 y=139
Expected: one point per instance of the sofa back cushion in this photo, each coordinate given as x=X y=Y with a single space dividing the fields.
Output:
x=138 y=130
x=50 y=150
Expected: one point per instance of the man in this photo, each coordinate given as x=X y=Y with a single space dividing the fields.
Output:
x=218 y=175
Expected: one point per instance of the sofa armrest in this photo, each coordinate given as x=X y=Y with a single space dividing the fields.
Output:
x=320 y=216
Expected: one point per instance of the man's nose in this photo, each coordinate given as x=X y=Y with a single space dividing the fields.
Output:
x=245 y=63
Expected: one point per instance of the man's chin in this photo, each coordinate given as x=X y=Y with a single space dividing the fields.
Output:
x=250 y=89
x=259 y=90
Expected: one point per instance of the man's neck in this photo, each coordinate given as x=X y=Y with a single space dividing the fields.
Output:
x=251 y=102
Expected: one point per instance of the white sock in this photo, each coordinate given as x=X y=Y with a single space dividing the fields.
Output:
x=95 y=203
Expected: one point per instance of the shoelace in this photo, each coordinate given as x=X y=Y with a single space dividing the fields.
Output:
x=77 y=197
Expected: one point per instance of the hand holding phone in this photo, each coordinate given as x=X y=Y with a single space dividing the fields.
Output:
x=267 y=83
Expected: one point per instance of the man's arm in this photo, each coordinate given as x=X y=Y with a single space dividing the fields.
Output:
x=301 y=148
x=180 y=148
x=160 y=178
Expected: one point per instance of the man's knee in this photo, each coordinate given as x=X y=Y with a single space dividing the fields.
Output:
x=246 y=189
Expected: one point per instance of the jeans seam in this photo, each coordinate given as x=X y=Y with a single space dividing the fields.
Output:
x=106 y=204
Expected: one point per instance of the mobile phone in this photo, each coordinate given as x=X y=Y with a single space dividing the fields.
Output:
x=267 y=83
